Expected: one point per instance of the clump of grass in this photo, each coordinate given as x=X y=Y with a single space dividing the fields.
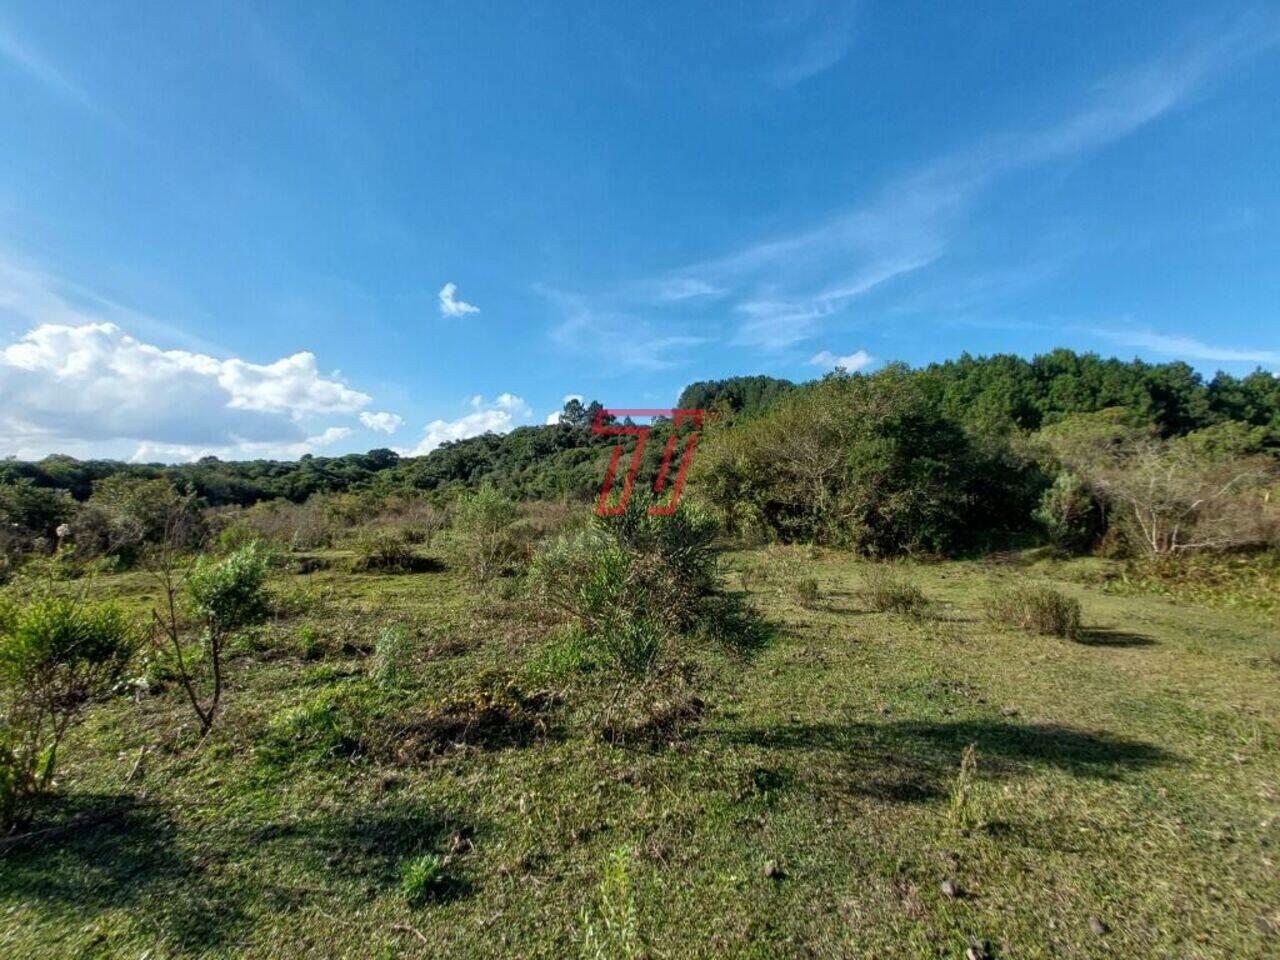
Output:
x=314 y=731
x=613 y=928
x=887 y=591
x=310 y=646
x=1040 y=610
x=392 y=650
x=806 y=590
x=421 y=878
x=964 y=807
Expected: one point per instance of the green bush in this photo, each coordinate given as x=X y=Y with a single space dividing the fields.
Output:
x=1035 y=609
x=632 y=582
x=1071 y=514
x=486 y=539
x=381 y=551
x=56 y=656
x=220 y=598
x=888 y=591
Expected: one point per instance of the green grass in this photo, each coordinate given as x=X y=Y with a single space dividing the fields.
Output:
x=1131 y=777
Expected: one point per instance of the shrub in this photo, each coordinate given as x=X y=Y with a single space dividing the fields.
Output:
x=889 y=592
x=1071 y=514
x=56 y=655
x=221 y=597
x=485 y=539
x=1035 y=609
x=381 y=551
x=631 y=582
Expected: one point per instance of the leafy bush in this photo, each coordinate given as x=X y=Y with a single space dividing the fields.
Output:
x=872 y=461
x=56 y=655
x=381 y=551
x=1071 y=514
x=888 y=591
x=485 y=539
x=631 y=582
x=1035 y=609
x=221 y=597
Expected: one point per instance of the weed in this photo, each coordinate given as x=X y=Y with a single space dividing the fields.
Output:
x=310 y=646
x=392 y=650
x=964 y=806
x=421 y=878
x=612 y=929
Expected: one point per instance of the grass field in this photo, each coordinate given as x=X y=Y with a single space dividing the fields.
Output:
x=1122 y=798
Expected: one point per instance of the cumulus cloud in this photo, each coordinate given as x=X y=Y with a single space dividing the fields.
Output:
x=382 y=421
x=852 y=362
x=496 y=416
x=92 y=386
x=451 y=306
x=554 y=417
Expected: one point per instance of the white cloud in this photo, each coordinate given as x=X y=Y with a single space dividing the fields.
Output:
x=94 y=386
x=450 y=306
x=383 y=422
x=614 y=339
x=498 y=416
x=554 y=417
x=173 y=452
x=852 y=362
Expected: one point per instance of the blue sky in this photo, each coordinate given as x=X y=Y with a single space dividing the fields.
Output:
x=268 y=229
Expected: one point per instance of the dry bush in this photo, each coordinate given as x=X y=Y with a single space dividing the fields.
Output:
x=888 y=591
x=1034 y=609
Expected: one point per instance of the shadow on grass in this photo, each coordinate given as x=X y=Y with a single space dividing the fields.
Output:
x=732 y=620
x=1106 y=637
x=200 y=886
x=370 y=846
x=96 y=853
x=912 y=761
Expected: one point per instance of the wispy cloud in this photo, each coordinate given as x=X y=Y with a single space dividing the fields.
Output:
x=813 y=38
x=451 y=306
x=21 y=53
x=1188 y=348
x=783 y=287
x=619 y=339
